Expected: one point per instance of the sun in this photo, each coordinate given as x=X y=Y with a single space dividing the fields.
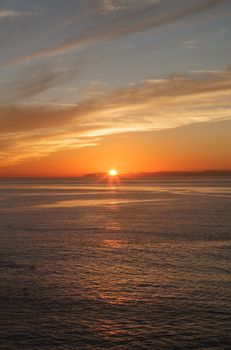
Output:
x=113 y=172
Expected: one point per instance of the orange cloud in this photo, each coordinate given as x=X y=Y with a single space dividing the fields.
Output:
x=30 y=132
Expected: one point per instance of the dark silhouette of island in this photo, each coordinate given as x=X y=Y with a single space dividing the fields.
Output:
x=132 y=176
x=160 y=174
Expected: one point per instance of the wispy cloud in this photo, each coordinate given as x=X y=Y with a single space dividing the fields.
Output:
x=110 y=6
x=36 y=79
x=107 y=6
x=12 y=14
x=136 y=20
x=154 y=104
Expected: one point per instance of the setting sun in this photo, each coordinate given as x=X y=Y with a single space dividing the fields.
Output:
x=112 y=172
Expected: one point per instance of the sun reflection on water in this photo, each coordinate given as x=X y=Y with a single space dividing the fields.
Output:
x=112 y=243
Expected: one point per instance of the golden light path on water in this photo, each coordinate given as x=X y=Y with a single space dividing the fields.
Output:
x=134 y=262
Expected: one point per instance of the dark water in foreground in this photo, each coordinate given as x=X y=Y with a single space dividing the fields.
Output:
x=140 y=265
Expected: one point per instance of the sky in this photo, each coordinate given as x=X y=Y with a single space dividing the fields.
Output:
x=136 y=85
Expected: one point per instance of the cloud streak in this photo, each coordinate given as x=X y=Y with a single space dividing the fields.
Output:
x=139 y=19
x=37 y=79
x=154 y=104
x=12 y=14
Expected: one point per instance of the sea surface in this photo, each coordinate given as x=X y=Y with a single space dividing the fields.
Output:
x=124 y=265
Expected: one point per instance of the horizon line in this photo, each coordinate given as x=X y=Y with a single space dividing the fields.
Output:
x=131 y=174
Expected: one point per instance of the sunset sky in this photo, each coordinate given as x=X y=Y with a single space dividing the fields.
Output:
x=135 y=85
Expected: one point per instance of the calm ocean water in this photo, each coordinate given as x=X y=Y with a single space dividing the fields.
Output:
x=137 y=265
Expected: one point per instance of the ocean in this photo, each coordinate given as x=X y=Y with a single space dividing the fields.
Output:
x=128 y=265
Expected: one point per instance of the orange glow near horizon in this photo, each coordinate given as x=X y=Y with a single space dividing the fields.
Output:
x=181 y=149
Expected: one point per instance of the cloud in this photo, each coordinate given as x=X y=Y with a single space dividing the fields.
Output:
x=37 y=79
x=154 y=104
x=21 y=119
x=107 y=6
x=136 y=20
x=12 y=14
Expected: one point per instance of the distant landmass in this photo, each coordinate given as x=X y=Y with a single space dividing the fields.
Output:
x=161 y=174
x=101 y=176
